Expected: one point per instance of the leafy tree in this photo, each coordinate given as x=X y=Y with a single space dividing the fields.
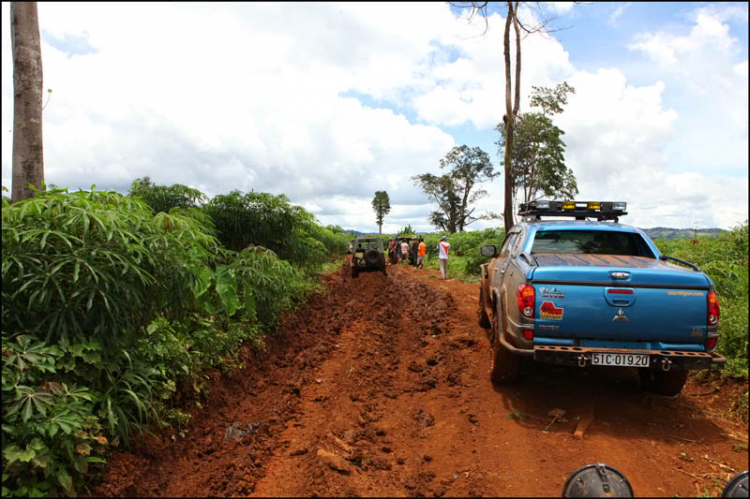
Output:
x=262 y=219
x=538 y=157
x=407 y=231
x=381 y=203
x=162 y=198
x=543 y=20
x=457 y=190
x=28 y=157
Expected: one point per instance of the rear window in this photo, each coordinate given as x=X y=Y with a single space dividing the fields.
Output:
x=589 y=242
x=365 y=245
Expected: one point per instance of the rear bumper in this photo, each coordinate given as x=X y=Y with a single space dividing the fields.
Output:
x=658 y=359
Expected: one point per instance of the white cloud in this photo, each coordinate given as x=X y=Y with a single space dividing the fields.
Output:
x=560 y=7
x=709 y=33
x=619 y=11
x=299 y=98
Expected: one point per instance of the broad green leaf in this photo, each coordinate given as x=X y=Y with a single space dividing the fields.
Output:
x=226 y=287
x=202 y=281
x=64 y=479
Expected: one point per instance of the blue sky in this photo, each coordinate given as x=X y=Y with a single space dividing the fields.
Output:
x=328 y=103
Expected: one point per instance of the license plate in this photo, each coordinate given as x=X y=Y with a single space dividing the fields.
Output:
x=619 y=359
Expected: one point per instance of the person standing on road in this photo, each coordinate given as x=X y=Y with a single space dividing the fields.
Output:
x=414 y=252
x=443 y=247
x=420 y=254
x=404 y=251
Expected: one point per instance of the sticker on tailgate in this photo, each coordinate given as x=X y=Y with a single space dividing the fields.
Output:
x=549 y=311
x=551 y=293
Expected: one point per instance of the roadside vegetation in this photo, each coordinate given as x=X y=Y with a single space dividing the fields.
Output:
x=115 y=306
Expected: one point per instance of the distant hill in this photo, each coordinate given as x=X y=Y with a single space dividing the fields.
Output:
x=669 y=233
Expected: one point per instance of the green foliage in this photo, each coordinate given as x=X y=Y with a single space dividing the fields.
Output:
x=407 y=231
x=551 y=100
x=269 y=221
x=50 y=435
x=111 y=315
x=724 y=259
x=456 y=191
x=161 y=198
x=84 y=264
x=269 y=283
x=74 y=265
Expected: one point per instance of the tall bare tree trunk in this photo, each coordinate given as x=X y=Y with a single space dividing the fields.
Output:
x=509 y=124
x=517 y=102
x=28 y=157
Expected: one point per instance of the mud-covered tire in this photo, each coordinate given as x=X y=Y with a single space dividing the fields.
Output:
x=483 y=318
x=663 y=383
x=506 y=367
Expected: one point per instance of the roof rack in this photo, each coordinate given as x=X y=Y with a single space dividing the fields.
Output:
x=581 y=210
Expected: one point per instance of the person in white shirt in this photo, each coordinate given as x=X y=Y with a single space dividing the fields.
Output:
x=443 y=247
x=404 y=251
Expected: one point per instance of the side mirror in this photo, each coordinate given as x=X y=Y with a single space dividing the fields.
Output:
x=489 y=250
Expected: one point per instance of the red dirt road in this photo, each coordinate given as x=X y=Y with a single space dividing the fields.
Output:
x=381 y=387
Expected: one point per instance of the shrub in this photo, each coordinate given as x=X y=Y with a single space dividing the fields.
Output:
x=84 y=264
x=50 y=432
x=270 y=284
x=75 y=265
x=269 y=221
x=162 y=198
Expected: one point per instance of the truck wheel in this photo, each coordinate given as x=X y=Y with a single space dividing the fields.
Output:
x=484 y=319
x=506 y=367
x=663 y=383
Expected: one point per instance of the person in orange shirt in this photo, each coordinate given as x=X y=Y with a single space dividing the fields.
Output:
x=420 y=254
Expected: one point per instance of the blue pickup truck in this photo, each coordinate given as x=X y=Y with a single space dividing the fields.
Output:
x=571 y=285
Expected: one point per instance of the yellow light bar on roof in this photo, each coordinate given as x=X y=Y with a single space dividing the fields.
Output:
x=594 y=206
x=569 y=205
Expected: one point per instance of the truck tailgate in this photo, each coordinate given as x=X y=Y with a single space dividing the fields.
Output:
x=626 y=298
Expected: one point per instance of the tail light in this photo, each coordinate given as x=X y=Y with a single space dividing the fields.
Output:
x=713 y=309
x=525 y=298
x=528 y=334
x=711 y=343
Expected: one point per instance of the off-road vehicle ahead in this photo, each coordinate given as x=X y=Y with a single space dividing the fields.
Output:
x=595 y=292
x=367 y=254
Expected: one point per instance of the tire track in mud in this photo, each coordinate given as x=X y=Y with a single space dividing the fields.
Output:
x=367 y=422
x=346 y=377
